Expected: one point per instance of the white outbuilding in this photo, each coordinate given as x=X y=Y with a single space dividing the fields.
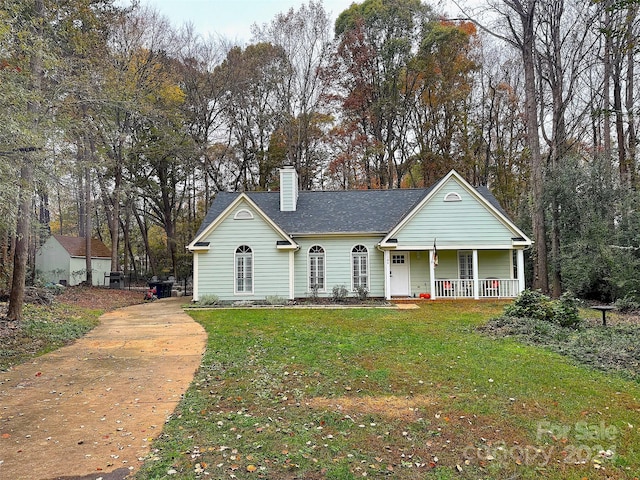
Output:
x=62 y=259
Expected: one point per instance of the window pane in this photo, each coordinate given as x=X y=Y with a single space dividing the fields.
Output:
x=244 y=273
x=359 y=269
x=316 y=267
x=465 y=260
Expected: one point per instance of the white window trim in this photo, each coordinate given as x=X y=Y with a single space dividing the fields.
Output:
x=235 y=271
x=352 y=256
x=243 y=214
x=324 y=264
x=452 y=197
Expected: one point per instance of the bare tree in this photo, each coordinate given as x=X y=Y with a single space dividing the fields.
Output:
x=522 y=35
x=304 y=35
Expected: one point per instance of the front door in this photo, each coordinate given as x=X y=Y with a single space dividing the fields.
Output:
x=399 y=274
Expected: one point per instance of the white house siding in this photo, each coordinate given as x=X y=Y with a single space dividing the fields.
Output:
x=78 y=273
x=52 y=262
x=454 y=224
x=288 y=189
x=216 y=267
x=495 y=264
x=338 y=264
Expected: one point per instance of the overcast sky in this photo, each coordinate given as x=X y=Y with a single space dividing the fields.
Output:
x=232 y=18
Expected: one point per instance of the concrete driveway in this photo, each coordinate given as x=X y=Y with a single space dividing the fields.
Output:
x=91 y=409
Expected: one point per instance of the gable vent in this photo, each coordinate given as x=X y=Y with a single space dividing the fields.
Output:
x=452 y=197
x=243 y=215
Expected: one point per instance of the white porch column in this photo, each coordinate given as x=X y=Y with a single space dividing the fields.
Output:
x=520 y=267
x=476 y=284
x=432 y=276
x=387 y=275
x=292 y=275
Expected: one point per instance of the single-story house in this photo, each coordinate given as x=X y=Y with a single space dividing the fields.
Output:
x=62 y=259
x=451 y=240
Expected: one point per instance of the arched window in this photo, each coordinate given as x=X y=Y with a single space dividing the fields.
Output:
x=360 y=267
x=243 y=214
x=316 y=269
x=244 y=269
x=452 y=197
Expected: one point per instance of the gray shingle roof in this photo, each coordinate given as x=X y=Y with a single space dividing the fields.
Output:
x=341 y=211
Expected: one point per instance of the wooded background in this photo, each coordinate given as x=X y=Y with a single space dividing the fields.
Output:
x=116 y=124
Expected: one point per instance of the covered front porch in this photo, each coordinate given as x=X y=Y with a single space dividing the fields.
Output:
x=463 y=273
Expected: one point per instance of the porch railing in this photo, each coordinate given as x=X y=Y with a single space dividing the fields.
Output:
x=487 y=288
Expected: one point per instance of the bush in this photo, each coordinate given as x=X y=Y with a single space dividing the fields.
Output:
x=208 y=300
x=275 y=300
x=538 y=306
x=362 y=292
x=531 y=304
x=629 y=303
x=315 y=289
x=339 y=293
x=565 y=311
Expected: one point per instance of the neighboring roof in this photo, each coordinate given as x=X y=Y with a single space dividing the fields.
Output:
x=76 y=247
x=339 y=211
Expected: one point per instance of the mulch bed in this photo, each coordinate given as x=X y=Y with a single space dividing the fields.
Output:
x=94 y=298
x=100 y=298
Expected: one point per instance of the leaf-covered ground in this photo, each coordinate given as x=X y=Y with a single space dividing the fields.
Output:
x=47 y=327
x=413 y=394
x=614 y=347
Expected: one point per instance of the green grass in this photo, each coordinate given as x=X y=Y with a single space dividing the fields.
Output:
x=414 y=394
x=43 y=330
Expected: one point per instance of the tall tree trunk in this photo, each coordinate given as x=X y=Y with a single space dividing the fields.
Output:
x=144 y=231
x=114 y=226
x=88 y=228
x=16 y=297
x=80 y=198
x=606 y=86
x=559 y=148
x=625 y=177
x=630 y=41
x=540 y=261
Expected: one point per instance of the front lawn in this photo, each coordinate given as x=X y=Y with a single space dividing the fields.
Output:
x=411 y=394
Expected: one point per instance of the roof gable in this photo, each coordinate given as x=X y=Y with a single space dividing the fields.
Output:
x=458 y=215
x=76 y=246
x=221 y=210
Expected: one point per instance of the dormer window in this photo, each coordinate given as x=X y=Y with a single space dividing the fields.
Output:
x=452 y=197
x=243 y=214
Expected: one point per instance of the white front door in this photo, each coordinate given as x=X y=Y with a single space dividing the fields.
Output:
x=399 y=272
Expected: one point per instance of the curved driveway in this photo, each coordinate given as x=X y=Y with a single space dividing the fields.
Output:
x=91 y=409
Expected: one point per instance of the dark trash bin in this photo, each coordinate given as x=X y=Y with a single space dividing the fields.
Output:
x=163 y=289
x=116 y=280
